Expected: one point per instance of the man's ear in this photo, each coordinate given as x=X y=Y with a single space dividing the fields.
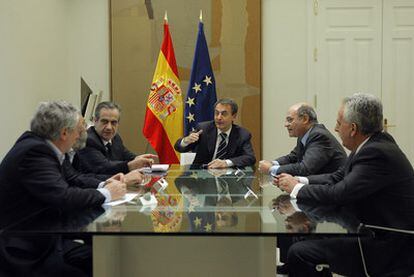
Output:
x=354 y=129
x=305 y=118
x=63 y=133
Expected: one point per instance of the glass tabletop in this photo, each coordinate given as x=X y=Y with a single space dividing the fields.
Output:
x=187 y=201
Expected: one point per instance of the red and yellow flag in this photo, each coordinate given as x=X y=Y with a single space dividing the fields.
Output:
x=163 y=124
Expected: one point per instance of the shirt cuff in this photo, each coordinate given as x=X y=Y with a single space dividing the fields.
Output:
x=295 y=205
x=273 y=170
x=295 y=190
x=105 y=193
x=303 y=180
x=275 y=163
x=101 y=185
x=183 y=144
x=229 y=163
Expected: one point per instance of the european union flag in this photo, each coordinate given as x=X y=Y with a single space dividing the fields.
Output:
x=201 y=94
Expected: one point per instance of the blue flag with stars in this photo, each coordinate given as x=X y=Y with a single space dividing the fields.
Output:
x=201 y=94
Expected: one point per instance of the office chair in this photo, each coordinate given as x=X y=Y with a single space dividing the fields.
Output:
x=400 y=272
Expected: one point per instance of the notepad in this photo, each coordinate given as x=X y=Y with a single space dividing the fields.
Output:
x=155 y=168
x=128 y=197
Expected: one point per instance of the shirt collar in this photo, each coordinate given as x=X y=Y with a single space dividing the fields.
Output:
x=227 y=132
x=362 y=144
x=59 y=154
x=71 y=154
x=305 y=137
x=106 y=142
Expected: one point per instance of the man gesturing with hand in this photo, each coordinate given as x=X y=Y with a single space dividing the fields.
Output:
x=220 y=143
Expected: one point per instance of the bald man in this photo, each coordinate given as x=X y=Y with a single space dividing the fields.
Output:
x=317 y=151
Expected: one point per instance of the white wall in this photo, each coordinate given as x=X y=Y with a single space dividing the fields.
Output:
x=45 y=48
x=284 y=69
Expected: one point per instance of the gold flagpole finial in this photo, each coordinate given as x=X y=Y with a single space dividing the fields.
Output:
x=201 y=15
x=165 y=17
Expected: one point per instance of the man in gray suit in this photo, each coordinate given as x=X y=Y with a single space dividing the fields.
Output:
x=317 y=150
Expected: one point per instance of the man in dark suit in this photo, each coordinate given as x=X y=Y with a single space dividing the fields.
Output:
x=32 y=178
x=220 y=143
x=72 y=170
x=105 y=152
x=317 y=151
x=377 y=180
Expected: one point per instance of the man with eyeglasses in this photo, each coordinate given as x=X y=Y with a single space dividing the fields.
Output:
x=220 y=143
x=317 y=151
x=105 y=152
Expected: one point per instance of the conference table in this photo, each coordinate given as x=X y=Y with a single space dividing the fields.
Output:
x=189 y=222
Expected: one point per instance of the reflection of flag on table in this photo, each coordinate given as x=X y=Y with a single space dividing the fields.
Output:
x=201 y=94
x=167 y=217
x=163 y=124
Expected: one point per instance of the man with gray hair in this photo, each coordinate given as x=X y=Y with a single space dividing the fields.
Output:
x=31 y=174
x=377 y=182
x=317 y=151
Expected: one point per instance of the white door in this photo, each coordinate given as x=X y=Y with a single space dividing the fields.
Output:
x=346 y=59
x=398 y=72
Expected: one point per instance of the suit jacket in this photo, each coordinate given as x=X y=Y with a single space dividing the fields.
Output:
x=321 y=154
x=239 y=148
x=378 y=181
x=94 y=157
x=31 y=178
x=82 y=180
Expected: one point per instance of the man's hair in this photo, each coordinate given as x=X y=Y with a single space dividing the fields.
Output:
x=365 y=110
x=305 y=109
x=228 y=101
x=51 y=117
x=106 y=105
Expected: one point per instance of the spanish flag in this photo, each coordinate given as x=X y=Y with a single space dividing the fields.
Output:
x=163 y=124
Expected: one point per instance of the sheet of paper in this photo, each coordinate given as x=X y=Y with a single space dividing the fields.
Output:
x=156 y=168
x=128 y=197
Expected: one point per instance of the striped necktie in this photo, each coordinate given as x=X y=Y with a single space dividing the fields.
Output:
x=222 y=148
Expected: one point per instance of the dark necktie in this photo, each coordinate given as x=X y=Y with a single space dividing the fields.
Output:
x=222 y=148
x=108 y=148
x=66 y=165
x=301 y=151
